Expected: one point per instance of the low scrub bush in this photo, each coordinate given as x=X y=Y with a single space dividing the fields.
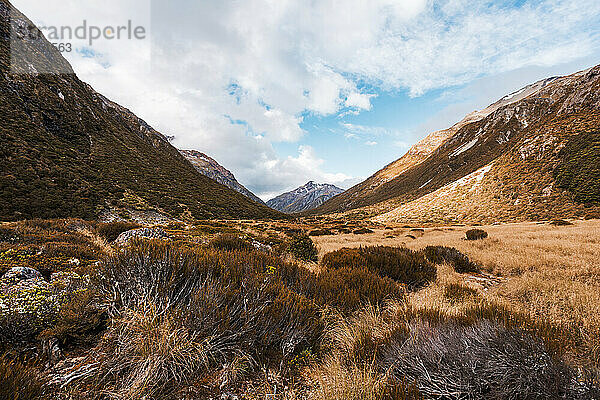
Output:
x=560 y=222
x=345 y=289
x=320 y=232
x=400 y=264
x=227 y=242
x=110 y=231
x=449 y=255
x=476 y=234
x=485 y=360
x=456 y=292
x=8 y=234
x=181 y=314
x=362 y=231
x=18 y=381
x=79 y=321
x=348 y=289
x=481 y=352
x=303 y=248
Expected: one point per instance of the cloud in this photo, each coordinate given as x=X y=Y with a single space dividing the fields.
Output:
x=367 y=130
x=370 y=143
x=291 y=172
x=232 y=78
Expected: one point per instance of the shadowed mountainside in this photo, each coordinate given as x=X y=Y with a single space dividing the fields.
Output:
x=68 y=151
x=208 y=166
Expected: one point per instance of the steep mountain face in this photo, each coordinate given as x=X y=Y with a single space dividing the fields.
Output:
x=498 y=164
x=305 y=198
x=68 y=151
x=208 y=166
x=359 y=195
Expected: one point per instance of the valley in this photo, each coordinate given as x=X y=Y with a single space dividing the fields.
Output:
x=466 y=269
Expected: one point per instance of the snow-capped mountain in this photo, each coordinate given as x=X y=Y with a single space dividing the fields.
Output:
x=305 y=198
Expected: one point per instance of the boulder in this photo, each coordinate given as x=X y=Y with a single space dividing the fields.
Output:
x=17 y=274
x=30 y=304
x=141 y=233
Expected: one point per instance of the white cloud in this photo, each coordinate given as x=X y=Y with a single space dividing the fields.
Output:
x=358 y=100
x=402 y=144
x=368 y=130
x=370 y=143
x=267 y=63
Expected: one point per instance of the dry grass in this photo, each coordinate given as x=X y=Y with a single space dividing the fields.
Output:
x=186 y=316
x=546 y=271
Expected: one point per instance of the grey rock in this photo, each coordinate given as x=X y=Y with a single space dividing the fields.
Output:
x=141 y=233
x=16 y=274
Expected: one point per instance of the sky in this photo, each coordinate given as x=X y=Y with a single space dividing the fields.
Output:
x=281 y=92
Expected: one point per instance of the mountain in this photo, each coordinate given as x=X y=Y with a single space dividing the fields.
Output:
x=209 y=167
x=515 y=160
x=305 y=198
x=69 y=151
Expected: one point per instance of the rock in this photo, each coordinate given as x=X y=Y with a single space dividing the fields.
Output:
x=141 y=233
x=28 y=306
x=261 y=247
x=16 y=274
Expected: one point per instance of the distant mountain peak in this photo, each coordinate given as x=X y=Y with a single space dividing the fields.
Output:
x=209 y=167
x=304 y=198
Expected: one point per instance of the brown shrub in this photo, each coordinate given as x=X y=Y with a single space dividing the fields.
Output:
x=346 y=290
x=227 y=242
x=79 y=321
x=350 y=289
x=303 y=248
x=476 y=234
x=560 y=222
x=449 y=255
x=8 y=234
x=362 y=231
x=485 y=360
x=401 y=264
x=320 y=232
x=184 y=313
x=18 y=381
x=481 y=352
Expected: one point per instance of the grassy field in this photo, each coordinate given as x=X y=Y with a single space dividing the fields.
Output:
x=549 y=272
x=257 y=309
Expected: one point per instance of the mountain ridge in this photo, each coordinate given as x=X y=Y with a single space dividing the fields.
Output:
x=209 y=167
x=304 y=198
x=554 y=108
x=68 y=151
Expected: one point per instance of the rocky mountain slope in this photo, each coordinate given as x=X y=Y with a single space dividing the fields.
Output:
x=305 y=198
x=513 y=160
x=68 y=151
x=208 y=166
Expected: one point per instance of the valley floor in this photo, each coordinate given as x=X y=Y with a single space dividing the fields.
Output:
x=550 y=272
x=260 y=309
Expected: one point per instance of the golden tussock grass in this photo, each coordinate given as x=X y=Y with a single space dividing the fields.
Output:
x=548 y=272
